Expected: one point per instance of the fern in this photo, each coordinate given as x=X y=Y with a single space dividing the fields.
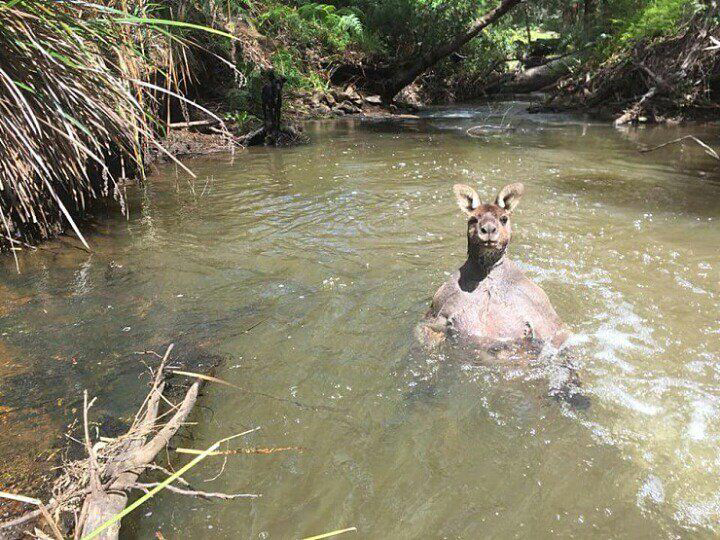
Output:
x=336 y=28
x=351 y=24
x=318 y=12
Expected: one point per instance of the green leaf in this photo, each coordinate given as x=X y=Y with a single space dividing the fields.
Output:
x=168 y=22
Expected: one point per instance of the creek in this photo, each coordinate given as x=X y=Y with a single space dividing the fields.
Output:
x=306 y=269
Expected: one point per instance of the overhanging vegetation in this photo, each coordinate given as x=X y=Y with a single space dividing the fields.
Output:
x=79 y=82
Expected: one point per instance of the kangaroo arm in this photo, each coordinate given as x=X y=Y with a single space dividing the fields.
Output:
x=432 y=331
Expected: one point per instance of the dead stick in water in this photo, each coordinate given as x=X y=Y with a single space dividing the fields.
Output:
x=256 y=393
x=709 y=151
x=194 y=123
x=95 y=489
x=196 y=493
x=240 y=451
x=42 y=509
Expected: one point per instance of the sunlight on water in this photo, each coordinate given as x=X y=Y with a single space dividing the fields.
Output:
x=329 y=254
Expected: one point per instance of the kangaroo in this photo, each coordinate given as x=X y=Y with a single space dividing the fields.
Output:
x=489 y=300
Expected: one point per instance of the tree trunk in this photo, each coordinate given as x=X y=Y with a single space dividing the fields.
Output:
x=588 y=9
x=539 y=77
x=411 y=69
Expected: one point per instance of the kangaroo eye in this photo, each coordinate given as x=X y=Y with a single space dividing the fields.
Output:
x=504 y=220
x=472 y=221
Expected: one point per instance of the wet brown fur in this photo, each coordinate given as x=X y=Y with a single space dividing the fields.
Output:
x=489 y=299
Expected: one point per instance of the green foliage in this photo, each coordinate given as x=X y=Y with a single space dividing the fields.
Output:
x=657 y=18
x=240 y=117
x=409 y=27
x=281 y=19
x=287 y=62
x=247 y=99
x=323 y=29
x=315 y=24
x=72 y=98
x=238 y=99
x=483 y=55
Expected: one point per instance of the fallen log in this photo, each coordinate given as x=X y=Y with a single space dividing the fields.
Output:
x=537 y=78
x=131 y=460
x=404 y=74
x=95 y=489
x=633 y=114
x=488 y=129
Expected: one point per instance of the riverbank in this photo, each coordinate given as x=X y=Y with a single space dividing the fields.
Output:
x=672 y=77
x=211 y=62
x=200 y=136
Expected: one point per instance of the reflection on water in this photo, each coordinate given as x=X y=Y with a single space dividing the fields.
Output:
x=308 y=267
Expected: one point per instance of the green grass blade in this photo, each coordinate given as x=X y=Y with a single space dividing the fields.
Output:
x=169 y=22
x=331 y=533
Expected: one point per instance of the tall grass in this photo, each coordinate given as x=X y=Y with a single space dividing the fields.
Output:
x=76 y=102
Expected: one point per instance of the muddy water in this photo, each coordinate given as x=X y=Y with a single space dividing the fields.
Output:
x=306 y=268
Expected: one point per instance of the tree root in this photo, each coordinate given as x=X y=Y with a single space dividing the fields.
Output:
x=285 y=136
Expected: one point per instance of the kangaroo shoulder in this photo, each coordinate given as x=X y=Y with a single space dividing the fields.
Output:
x=446 y=290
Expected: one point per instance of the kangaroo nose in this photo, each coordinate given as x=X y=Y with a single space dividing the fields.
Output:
x=488 y=228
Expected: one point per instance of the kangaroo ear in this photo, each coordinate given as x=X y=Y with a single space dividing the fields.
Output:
x=509 y=196
x=467 y=198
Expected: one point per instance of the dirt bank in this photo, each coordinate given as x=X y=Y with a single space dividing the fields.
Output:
x=198 y=137
x=674 y=77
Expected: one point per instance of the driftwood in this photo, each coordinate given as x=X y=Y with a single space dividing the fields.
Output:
x=194 y=123
x=708 y=150
x=131 y=460
x=95 y=489
x=488 y=129
x=536 y=78
x=635 y=113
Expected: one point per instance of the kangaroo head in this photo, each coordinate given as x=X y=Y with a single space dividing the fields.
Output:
x=488 y=228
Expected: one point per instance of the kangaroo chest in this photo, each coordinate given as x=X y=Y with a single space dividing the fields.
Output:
x=488 y=311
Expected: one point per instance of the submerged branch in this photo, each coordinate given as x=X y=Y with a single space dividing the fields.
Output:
x=708 y=150
x=95 y=489
x=197 y=493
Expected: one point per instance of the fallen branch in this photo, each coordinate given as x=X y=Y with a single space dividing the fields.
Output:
x=633 y=113
x=20 y=521
x=42 y=509
x=196 y=493
x=113 y=522
x=708 y=150
x=194 y=123
x=94 y=489
x=255 y=393
x=132 y=457
x=479 y=132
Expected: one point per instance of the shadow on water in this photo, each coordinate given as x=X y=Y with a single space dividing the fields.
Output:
x=644 y=194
